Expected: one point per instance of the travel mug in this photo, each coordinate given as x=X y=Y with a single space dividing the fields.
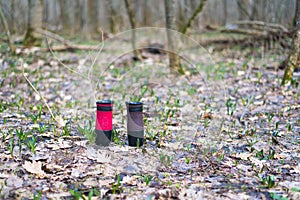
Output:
x=135 y=123
x=104 y=122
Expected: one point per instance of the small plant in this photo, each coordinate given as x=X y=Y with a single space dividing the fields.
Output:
x=268 y=181
x=177 y=103
x=271 y=154
x=37 y=196
x=206 y=123
x=1 y=188
x=88 y=130
x=259 y=76
x=231 y=107
x=11 y=146
x=187 y=160
x=188 y=148
x=31 y=144
x=42 y=128
x=138 y=143
x=4 y=135
x=34 y=118
x=93 y=192
x=295 y=189
x=270 y=117
x=77 y=195
x=294 y=82
x=66 y=130
x=276 y=125
x=3 y=106
x=277 y=197
x=116 y=136
x=116 y=186
x=251 y=143
x=166 y=160
x=147 y=179
x=221 y=157
x=150 y=134
x=260 y=154
x=191 y=91
x=144 y=90
x=289 y=126
x=21 y=138
x=135 y=98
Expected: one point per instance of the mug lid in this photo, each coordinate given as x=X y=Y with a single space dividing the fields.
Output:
x=104 y=102
x=134 y=103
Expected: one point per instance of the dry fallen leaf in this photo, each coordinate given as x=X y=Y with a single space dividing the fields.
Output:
x=207 y=115
x=34 y=168
x=279 y=156
x=101 y=157
x=14 y=181
x=296 y=169
x=243 y=156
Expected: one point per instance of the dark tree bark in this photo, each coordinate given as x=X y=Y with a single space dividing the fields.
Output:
x=9 y=39
x=293 y=59
x=192 y=18
x=35 y=16
x=243 y=13
x=132 y=20
x=112 y=16
x=174 y=59
x=225 y=12
x=92 y=17
x=146 y=13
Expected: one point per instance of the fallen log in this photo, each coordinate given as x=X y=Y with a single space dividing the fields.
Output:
x=262 y=24
x=72 y=47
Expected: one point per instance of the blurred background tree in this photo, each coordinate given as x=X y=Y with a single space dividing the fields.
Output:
x=293 y=61
x=267 y=22
x=72 y=17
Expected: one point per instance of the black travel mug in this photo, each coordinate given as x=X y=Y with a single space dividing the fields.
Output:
x=135 y=123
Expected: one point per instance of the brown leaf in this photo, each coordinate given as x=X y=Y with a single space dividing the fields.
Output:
x=243 y=156
x=34 y=168
x=207 y=115
x=296 y=169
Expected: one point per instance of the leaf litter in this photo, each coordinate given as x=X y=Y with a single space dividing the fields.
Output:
x=219 y=139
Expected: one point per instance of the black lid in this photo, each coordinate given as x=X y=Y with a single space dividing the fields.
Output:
x=104 y=102
x=134 y=103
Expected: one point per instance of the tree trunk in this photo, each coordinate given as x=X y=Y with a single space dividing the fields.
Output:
x=92 y=17
x=112 y=16
x=293 y=58
x=9 y=39
x=225 y=12
x=64 y=15
x=243 y=6
x=192 y=18
x=146 y=13
x=132 y=20
x=174 y=59
x=35 y=16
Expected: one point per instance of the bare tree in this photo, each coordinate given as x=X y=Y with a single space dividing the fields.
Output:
x=174 y=59
x=92 y=17
x=112 y=16
x=243 y=12
x=293 y=59
x=35 y=13
x=4 y=22
x=146 y=13
x=193 y=17
x=132 y=19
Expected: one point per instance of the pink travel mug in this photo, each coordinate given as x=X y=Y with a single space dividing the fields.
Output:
x=104 y=122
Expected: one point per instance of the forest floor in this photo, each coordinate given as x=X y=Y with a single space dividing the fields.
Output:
x=226 y=130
